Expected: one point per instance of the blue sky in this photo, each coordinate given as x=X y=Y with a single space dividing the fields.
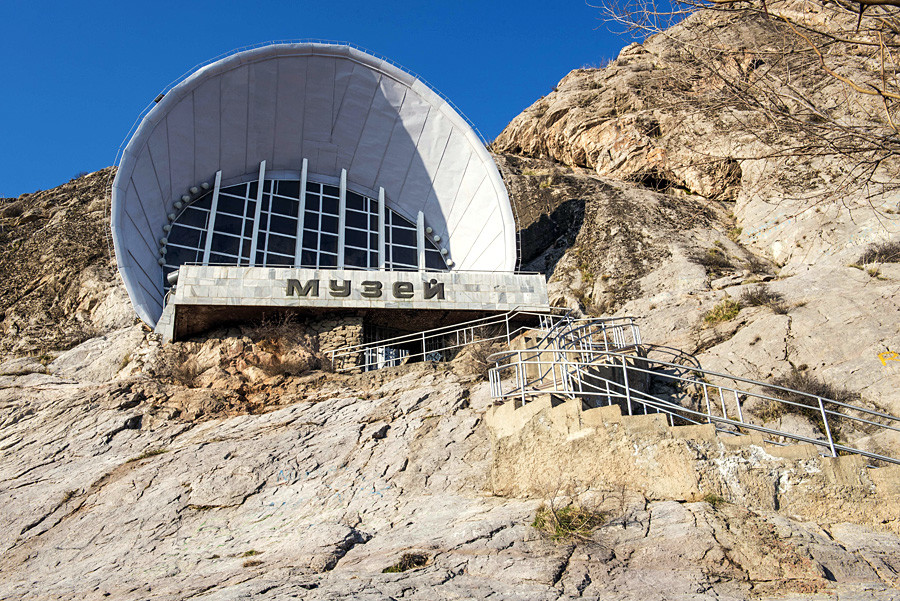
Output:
x=77 y=74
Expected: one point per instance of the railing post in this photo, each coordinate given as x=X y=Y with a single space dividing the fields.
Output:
x=737 y=402
x=506 y=320
x=627 y=387
x=827 y=427
x=708 y=407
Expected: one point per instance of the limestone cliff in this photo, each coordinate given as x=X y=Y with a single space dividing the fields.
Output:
x=234 y=466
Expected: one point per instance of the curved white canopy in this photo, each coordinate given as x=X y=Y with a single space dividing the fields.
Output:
x=337 y=107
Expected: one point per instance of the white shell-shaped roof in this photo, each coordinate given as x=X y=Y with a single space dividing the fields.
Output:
x=334 y=105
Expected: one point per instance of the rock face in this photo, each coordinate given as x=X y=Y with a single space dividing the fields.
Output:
x=105 y=496
x=234 y=466
x=58 y=284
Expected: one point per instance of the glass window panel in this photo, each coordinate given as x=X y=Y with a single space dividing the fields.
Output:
x=281 y=244
x=225 y=244
x=329 y=224
x=237 y=190
x=326 y=260
x=308 y=258
x=254 y=188
x=373 y=241
x=229 y=225
x=260 y=258
x=245 y=248
x=217 y=259
x=228 y=204
x=279 y=260
x=328 y=243
x=178 y=256
x=330 y=205
x=359 y=220
x=356 y=238
x=398 y=236
x=310 y=239
x=373 y=223
x=312 y=202
x=248 y=228
x=434 y=261
x=331 y=190
x=265 y=202
x=289 y=188
x=283 y=225
x=282 y=206
x=194 y=217
x=261 y=240
x=405 y=256
x=251 y=209
x=185 y=236
x=356 y=258
x=355 y=201
x=313 y=187
x=204 y=202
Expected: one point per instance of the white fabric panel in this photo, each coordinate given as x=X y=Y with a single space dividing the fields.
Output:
x=431 y=147
x=289 y=112
x=376 y=133
x=233 y=149
x=263 y=79
x=447 y=180
x=143 y=228
x=180 y=130
x=207 y=121
x=343 y=72
x=150 y=197
x=476 y=237
x=467 y=231
x=401 y=152
x=319 y=101
x=472 y=181
x=353 y=112
x=158 y=146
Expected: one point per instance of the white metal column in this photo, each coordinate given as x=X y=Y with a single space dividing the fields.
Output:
x=342 y=218
x=420 y=239
x=211 y=222
x=381 y=228
x=259 y=194
x=301 y=213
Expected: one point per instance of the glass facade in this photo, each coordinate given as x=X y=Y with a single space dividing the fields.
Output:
x=276 y=237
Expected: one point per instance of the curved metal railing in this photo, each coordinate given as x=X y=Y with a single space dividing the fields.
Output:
x=603 y=362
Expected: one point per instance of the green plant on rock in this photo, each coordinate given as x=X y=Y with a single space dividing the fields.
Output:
x=407 y=561
x=567 y=523
x=726 y=310
x=713 y=499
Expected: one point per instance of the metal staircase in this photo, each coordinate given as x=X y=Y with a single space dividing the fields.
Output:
x=603 y=362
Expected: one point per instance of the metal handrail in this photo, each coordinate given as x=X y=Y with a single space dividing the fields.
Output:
x=346 y=358
x=592 y=382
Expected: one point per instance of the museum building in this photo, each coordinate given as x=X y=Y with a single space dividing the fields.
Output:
x=312 y=177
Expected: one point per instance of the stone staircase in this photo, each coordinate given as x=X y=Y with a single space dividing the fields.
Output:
x=552 y=443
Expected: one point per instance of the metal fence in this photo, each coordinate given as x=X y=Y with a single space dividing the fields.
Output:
x=604 y=363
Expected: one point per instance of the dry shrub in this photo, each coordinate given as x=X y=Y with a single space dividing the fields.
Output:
x=175 y=364
x=803 y=381
x=761 y=296
x=726 y=310
x=569 y=522
x=881 y=252
x=294 y=349
x=408 y=561
x=714 y=259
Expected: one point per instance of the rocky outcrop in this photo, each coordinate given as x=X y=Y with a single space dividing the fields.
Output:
x=58 y=284
x=318 y=497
